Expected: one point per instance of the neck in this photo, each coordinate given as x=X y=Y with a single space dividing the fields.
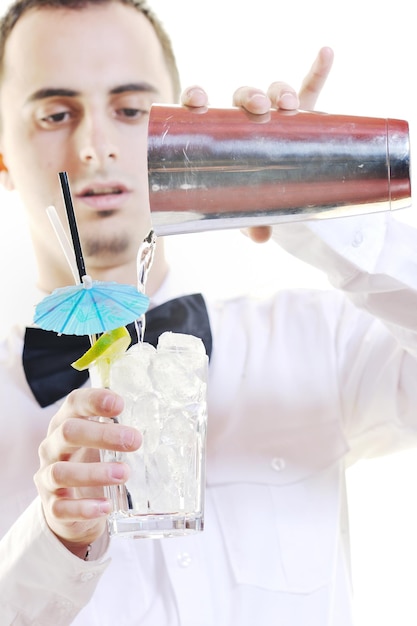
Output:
x=51 y=276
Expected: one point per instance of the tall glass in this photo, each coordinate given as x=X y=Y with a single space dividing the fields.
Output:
x=164 y=390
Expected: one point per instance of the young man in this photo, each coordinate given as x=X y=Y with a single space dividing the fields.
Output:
x=300 y=384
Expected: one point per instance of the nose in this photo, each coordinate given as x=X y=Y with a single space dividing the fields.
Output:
x=96 y=141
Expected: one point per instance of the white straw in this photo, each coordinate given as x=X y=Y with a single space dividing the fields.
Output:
x=64 y=241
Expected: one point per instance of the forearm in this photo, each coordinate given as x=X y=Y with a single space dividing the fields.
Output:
x=372 y=258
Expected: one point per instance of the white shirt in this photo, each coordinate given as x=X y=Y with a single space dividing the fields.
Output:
x=301 y=384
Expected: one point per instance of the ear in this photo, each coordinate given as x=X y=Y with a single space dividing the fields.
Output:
x=5 y=178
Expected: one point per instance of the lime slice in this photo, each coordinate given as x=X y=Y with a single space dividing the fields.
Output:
x=111 y=345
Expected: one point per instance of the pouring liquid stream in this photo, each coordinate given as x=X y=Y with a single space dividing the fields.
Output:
x=144 y=263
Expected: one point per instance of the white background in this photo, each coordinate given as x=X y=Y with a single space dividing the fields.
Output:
x=222 y=44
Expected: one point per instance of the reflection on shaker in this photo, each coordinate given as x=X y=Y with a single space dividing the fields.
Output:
x=226 y=168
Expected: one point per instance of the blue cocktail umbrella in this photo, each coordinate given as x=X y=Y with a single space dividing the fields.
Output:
x=90 y=308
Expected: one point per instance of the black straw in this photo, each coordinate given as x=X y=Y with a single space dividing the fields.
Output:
x=63 y=177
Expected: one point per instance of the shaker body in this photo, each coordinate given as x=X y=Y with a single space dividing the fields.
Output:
x=226 y=168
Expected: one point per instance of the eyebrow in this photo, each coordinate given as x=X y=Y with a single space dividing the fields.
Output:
x=53 y=92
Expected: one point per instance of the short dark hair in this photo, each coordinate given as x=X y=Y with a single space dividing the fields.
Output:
x=20 y=7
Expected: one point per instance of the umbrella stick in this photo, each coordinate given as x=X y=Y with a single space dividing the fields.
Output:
x=63 y=177
x=63 y=240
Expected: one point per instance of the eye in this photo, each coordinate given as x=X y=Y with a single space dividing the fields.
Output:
x=130 y=113
x=56 y=118
x=130 y=107
x=53 y=117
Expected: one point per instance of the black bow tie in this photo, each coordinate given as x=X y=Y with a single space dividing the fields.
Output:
x=47 y=357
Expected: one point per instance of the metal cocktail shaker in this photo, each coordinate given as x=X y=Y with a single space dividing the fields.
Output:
x=226 y=168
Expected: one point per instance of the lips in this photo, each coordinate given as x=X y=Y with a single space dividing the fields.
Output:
x=103 y=192
x=104 y=196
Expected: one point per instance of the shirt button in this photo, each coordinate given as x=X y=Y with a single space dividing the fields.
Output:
x=65 y=607
x=357 y=239
x=278 y=464
x=87 y=576
x=184 y=559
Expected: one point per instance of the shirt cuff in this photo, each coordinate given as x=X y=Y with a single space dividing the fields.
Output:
x=344 y=248
x=39 y=578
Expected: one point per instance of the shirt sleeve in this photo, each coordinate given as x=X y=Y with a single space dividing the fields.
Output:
x=371 y=258
x=41 y=582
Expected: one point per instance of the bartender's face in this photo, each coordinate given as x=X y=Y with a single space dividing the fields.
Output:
x=77 y=89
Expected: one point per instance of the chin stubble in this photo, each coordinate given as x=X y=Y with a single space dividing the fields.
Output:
x=103 y=247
